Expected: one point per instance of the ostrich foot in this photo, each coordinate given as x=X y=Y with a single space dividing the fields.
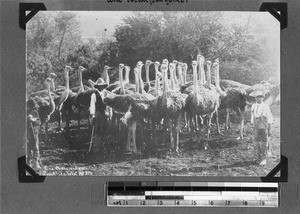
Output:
x=240 y=138
x=220 y=133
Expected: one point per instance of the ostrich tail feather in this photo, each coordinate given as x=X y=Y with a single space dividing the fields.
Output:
x=125 y=119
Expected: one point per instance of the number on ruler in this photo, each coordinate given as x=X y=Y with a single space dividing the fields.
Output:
x=211 y=202
x=177 y=202
x=245 y=203
x=160 y=203
x=194 y=202
x=262 y=203
x=227 y=202
x=143 y=202
x=125 y=202
x=118 y=202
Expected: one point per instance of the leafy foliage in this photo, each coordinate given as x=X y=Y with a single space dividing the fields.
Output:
x=54 y=40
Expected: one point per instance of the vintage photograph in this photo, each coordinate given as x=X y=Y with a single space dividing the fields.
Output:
x=164 y=93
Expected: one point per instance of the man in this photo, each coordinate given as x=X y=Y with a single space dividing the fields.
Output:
x=261 y=118
x=32 y=143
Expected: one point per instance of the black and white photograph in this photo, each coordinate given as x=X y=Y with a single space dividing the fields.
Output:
x=160 y=93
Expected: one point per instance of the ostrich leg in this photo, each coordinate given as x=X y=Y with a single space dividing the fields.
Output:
x=208 y=130
x=197 y=124
x=227 y=125
x=171 y=130
x=134 y=125
x=177 y=133
x=217 y=122
x=128 y=149
x=46 y=132
x=242 y=118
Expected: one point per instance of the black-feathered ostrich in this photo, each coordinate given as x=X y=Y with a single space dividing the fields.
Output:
x=232 y=98
x=141 y=106
x=125 y=86
x=156 y=90
x=122 y=103
x=66 y=100
x=170 y=105
x=202 y=101
x=46 y=107
x=148 y=84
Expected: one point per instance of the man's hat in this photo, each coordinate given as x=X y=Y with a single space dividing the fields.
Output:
x=101 y=86
x=257 y=93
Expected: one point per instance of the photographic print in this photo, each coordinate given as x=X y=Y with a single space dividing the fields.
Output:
x=163 y=93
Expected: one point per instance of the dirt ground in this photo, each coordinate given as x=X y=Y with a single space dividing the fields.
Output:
x=227 y=155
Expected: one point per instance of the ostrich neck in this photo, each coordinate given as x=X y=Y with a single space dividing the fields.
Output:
x=49 y=94
x=164 y=83
x=80 y=81
x=184 y=76
x=156 y=82
x=53 y=85
x=127 y=76
x=208 y=76
x=147 y=74
x=203 y=78
x=180 y=76
x=140 y=80
x=121 y=79
x=175 y=77
x=106 y=77
x=195 y=79
x=136 y=83
x=67 y=81
x=172 y=79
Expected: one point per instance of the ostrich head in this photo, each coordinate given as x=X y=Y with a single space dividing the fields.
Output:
x=175 y=62
x=48 y=81
x=165 y=61
x=68 y=68
x=208 y=63
x=156 y=64
x=81 y=68
x=52 y=75
x=121 y=66
x=106 y=67
x=139 y=64
x=217 y=60
x=127 y=68
x=172 y=66
x=194 y=63
x=149 y=62
x=185 y=66
x=163 y=67
x=200 y=58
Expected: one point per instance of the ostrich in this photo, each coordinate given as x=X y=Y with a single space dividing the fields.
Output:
x=175 y=62
x=202 y=101
x=66 y=100
x=80 y=70
x=170 y=106
x=92 y=97
x=46 y=107
x=123 y=88
x=201 y=72
x=142 y=107
x=232 y=98
x=180 y=74
x=147 y=87
x=156 y=91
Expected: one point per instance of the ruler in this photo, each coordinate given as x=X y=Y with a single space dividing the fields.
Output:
x=189 y=194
